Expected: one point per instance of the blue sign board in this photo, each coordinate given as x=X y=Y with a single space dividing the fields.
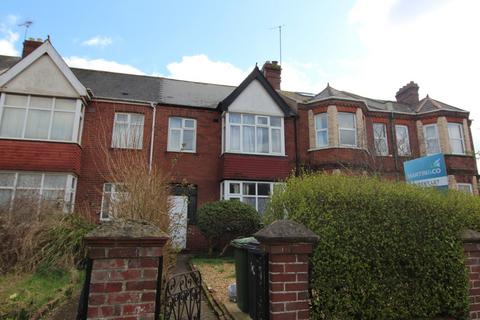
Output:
x=429 y=171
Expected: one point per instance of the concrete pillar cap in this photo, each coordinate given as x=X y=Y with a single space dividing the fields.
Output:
x=285 y=231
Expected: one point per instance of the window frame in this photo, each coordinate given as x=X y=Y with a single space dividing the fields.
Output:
x=227 y=126
x=354 y=129
x=425 y=138
x=317 y=130
x=470 y=187
x=78 y=117
x=225 y=193
x=461 y=140
x=409 y=152
x=129 y=144
x=376 y=139
x=69 y=189
x=171 y=148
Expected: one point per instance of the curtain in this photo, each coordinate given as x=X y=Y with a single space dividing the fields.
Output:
x=248 y=139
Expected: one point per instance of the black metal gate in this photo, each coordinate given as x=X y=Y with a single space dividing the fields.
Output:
x=183 y=296
x=258 y=284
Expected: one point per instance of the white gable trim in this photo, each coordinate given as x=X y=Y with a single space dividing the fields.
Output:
x=45 y=48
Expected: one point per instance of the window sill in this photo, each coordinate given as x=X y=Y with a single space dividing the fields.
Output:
x=255 y=154
x=39 y=140
x=334 y=147
x=181 y=151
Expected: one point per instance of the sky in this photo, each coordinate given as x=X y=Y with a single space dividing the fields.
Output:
x=368 y=47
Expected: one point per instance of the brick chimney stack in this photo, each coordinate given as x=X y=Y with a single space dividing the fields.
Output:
x=408 y=94
x=29 y=45
x=273 y=73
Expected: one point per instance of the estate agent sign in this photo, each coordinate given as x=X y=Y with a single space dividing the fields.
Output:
x=429 y=171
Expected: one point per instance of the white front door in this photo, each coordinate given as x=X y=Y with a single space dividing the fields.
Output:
x=178 y=221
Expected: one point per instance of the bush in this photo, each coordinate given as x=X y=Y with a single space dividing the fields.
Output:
x=226 y=220
x=386 y=250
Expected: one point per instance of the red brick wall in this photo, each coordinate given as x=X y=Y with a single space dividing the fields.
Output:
x=40 y=156
x=471 y=249
x=238 y=166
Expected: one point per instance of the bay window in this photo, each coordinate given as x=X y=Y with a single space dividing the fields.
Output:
x=254 y=134
x=380 y=139
x=40 y=118
x=54 y=190
x=455 y=135
x=403 y=140
x=347 y=129
x=128 y=131
x=432 y=143
x=255 y=193
x=182 y=134
x=321 y=130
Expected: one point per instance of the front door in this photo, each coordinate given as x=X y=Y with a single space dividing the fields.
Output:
x=178 y=221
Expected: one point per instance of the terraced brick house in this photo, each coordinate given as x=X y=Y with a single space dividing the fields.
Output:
x=233 y=142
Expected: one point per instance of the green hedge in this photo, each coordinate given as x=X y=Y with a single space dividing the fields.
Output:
x=223 y=221
x=386 y=250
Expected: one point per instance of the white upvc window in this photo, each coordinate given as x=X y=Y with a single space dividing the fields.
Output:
x=254 y=134
x=40 y=118
x=347 y=129
x=255 y=193
x=465 y=187
x=455 y=135
x=380 y=139
x=182 y=134
x=112 y=193
x=321 y=130
x=18 y=189
x=403 y=140
x=128 y=130
x=432 y=143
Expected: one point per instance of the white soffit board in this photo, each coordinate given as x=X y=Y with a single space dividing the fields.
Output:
x=255 y=99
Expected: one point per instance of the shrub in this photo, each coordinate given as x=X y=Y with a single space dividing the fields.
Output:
x=386 y=250
x=226 y=220
x=46 y=241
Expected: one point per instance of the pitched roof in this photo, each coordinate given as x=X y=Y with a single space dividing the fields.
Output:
x=128 y=87
x=256 y=74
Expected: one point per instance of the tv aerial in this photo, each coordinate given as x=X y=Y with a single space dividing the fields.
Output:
x=27 y=25
x=280 y=39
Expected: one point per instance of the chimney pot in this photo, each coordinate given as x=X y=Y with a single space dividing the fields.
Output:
x=30 y=45
x=273 y=73
x=408 y=94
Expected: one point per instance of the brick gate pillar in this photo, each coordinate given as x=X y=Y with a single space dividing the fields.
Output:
x=471 y=248
x=126 y=263
x=288 y=245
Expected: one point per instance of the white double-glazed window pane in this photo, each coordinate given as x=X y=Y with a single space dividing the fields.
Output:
x=234 y=188
x=248 y=119
x=263 y=189
x=7 y=179
x=276 y=140
x=403 y=141
x=321 y=129
x=235 y=138
x=120 y=135
x=380 y=139
x=121 y=117
x=128 y=131
x=12 y=122
x=256 y=194
x=65 y=104
x=249 y=188
x=235 y=118
x=15 y=100
x=465 y=187
x=62 y=126
x=41 y=102
x=262 y=120
x=347 y=129
x=456 y=138
x=262 y=140
x=182 y=134
x=249 y=139
x=38 y=122
x=55 y=181
x=275 y=121
x=29 y=180
x=432 y=144
x=262 y=204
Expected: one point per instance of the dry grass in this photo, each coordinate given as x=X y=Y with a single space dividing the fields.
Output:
x=217 y=274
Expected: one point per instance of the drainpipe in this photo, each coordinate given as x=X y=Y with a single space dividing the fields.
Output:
x=394 y=144
x=297 y=161
x=153 y=105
